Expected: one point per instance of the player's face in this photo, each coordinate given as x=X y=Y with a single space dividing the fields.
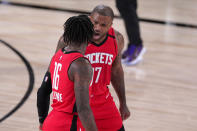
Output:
x=101 y=26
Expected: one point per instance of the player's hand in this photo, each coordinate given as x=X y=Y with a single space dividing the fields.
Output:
x=124 y=112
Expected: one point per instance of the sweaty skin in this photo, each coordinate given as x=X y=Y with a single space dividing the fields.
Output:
x=80 y=72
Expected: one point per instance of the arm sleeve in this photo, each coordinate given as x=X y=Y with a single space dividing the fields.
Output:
x=43 y=97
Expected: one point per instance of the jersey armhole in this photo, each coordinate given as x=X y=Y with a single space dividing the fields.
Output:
x=115 y=42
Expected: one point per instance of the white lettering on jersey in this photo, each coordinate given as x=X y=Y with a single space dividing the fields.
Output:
x=57 y=96
x=110 y=59
x=97 y=72
x=103 y=58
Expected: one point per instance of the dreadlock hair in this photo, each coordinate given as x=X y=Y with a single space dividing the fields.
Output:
x=78 y=30
x=103 y=10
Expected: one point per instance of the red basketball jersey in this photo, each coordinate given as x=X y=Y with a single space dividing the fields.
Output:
x=101 y=58
x=62 y=87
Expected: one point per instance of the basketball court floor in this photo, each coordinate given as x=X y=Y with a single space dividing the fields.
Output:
x=161 y=91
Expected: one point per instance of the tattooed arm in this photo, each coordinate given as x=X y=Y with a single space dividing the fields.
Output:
x=117 y=78
x=80 y=72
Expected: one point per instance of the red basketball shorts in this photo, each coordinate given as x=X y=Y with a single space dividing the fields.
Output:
x=59 y=121
x=105 y=112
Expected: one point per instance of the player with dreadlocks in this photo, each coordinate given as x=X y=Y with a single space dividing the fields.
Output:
x=70 y=75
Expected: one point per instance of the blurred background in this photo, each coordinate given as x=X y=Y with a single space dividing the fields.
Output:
x=161 y=91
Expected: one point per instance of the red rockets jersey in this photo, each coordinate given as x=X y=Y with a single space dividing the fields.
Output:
x=62 y=87
x=101 y=58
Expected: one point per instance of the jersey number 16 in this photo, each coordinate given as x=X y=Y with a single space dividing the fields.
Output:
x=56 y=76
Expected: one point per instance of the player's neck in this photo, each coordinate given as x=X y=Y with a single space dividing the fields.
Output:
x=81 y=49
x=99 y=41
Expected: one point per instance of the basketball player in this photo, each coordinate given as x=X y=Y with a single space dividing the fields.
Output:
x=104 y=54
x=71 y=74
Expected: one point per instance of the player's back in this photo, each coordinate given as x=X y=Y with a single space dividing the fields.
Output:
x=62 y=86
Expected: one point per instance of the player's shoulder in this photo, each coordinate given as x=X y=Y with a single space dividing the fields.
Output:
x=60 y=44
x=81 y=63
x=56 y=54
x=118 y=35
x=81 y=67
x=119 y=39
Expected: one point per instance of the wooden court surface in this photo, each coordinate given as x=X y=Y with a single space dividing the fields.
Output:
x=161 y=91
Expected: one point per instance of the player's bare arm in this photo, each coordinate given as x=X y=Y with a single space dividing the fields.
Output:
x=80 y=73
x=117 y=77
x=61 y=44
